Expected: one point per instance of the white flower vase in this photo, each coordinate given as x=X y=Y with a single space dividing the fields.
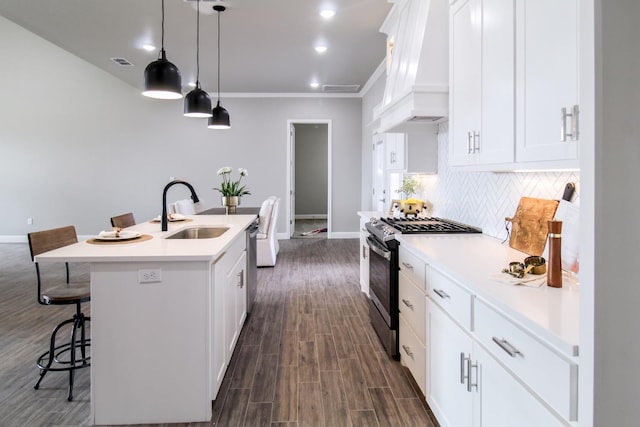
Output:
x=230 y=203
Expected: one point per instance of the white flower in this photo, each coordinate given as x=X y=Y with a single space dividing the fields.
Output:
x=224 y=170
x=243 y=172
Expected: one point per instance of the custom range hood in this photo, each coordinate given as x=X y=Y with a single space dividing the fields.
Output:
x=417 y=85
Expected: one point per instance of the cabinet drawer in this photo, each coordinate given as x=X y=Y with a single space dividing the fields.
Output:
x=413 y=267
x=450 y=296
x=413 y=354
x=411 y=304
x=553 y=378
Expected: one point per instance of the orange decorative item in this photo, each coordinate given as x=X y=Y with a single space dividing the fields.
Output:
x=554 y=270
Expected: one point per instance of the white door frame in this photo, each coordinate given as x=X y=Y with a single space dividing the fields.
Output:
x=290 y=178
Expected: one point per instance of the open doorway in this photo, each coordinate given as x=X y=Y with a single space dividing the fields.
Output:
x=309 y=179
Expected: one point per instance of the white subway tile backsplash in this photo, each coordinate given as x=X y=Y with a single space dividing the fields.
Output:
x=484 y=199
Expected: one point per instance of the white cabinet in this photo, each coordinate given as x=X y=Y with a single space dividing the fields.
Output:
x=548 y=80
x=236 y=303
x=482 y=74
x=364 y=257
x=395 y=151
x=449 y=349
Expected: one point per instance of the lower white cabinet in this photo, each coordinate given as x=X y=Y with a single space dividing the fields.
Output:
x=449 y=348
x=364 y=257
x=236 y=297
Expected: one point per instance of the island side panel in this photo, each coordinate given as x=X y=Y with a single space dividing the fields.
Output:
x=150 y=343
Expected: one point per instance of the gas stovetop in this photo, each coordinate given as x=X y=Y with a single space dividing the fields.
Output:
x=429 y=225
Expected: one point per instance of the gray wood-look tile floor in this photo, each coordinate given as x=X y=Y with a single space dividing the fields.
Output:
x=307 y=355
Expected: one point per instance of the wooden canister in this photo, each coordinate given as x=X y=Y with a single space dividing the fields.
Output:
x=554 y=267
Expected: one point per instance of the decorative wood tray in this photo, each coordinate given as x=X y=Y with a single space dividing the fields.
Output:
x=529 y=227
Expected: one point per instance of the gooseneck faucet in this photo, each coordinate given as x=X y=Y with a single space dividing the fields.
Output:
x=194 y=196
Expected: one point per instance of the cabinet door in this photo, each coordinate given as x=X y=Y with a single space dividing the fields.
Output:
x=447 y=369
x=465 y=90
x=364 y=257
x=217 y=318
x=548 y=77
x=395 y=149
x=504 y=401
x=236 y=304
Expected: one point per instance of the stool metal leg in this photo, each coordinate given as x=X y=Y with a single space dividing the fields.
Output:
x=51 y=353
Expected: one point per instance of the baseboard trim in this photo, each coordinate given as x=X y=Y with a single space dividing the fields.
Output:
x=312 y=216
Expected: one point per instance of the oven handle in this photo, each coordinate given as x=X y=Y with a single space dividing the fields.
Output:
x=378 y=248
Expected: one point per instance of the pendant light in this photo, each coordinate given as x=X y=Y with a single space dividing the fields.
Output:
x=220 y=116
x=162 y=79
x=197 y=102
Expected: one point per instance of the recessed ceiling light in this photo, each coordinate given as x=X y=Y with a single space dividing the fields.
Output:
x=149 y=47
x=320 y=48
x=314 y=85
x=327 y=13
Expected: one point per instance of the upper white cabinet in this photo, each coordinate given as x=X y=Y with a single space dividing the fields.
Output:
x=514 y=84
x=395 y=151
x=482 y=75
x=548 y=78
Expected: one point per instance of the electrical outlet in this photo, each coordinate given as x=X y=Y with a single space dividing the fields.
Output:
x=29 y=221
x=150 y=276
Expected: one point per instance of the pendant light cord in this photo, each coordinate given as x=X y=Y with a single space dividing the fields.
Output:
x=162 y=37
x=218 y=57
x=197 y=47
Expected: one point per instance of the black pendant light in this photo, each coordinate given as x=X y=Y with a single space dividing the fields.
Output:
x=162 y=79
x=220 y=116
x=197 y=102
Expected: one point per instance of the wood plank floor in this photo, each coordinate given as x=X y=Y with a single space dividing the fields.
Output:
x=307 y=355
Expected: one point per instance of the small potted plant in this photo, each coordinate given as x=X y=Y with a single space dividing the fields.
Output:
x=230 y=190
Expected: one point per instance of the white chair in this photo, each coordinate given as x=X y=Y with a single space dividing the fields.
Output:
x=267 y=246
x=184 y=207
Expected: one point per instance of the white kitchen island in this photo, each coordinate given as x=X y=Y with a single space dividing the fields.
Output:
x=159 y=350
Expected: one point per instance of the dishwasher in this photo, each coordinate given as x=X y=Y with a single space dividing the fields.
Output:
x=252 y=269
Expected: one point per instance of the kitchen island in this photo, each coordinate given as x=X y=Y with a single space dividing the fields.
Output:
x=165 y=318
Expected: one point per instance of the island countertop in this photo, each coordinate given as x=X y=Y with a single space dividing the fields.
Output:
x=158 y=248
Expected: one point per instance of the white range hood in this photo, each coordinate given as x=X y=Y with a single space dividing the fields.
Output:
x=417 y=86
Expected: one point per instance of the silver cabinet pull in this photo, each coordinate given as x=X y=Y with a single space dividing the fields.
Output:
x=240 y=279
x=407 y=350
x=442 y=294
x=406 y=264
x=476 y=142
x=407 y=303
x=575 y=126
x=463 y=363
x=364 y=252
x=506 y=346
x=470 y=366
x=469 y=145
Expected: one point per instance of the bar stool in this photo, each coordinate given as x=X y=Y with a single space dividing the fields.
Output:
x=62 y=357
x=123 y=221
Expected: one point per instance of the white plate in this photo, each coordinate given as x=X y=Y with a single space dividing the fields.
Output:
x=124 y=235
x=157 y=219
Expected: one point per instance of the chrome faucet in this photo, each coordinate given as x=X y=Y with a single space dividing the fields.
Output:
x=194 y=196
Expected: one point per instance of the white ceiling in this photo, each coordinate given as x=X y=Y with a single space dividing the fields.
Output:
x=266 y=45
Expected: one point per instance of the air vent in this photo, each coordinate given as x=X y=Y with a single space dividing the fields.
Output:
x=122 y=61
x=340 y=88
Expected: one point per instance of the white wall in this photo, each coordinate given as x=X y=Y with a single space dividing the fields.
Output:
x=78 y=146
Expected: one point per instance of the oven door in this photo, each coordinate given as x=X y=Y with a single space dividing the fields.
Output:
x=380 y=274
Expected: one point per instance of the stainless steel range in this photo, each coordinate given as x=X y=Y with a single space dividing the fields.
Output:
x=383 y=269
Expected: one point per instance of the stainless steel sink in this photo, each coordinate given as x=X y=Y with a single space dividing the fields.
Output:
x=206 y=232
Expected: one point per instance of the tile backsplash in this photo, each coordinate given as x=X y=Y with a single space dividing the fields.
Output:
x=484 y=199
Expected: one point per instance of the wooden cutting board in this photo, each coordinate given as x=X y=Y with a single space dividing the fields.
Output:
x=529 y=227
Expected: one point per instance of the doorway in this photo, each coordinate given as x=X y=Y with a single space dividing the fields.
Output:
x=309 y=179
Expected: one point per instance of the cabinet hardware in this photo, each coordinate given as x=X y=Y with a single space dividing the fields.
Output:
x=407 y=303
x=240 y=279
x=441 y=293
x=409 y=266
x=506 y=346
x=407 y=350
x=470 y=366
x=364 y=252
x=463 y=363
x=574 y=114
x=469 y=145
x=476 y=142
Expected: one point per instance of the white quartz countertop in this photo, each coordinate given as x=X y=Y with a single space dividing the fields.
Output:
x=551 y=314
x=158 y=248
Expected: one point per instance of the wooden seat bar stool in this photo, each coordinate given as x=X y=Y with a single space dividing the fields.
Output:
x=123 y=221
x=62 y=357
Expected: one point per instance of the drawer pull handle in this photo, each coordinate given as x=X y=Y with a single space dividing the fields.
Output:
x=407 y=350
x=441 y=293
x=407 y=303
x=406 y=264
x=506 y=346
x=463 y=362
x=470 y=366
